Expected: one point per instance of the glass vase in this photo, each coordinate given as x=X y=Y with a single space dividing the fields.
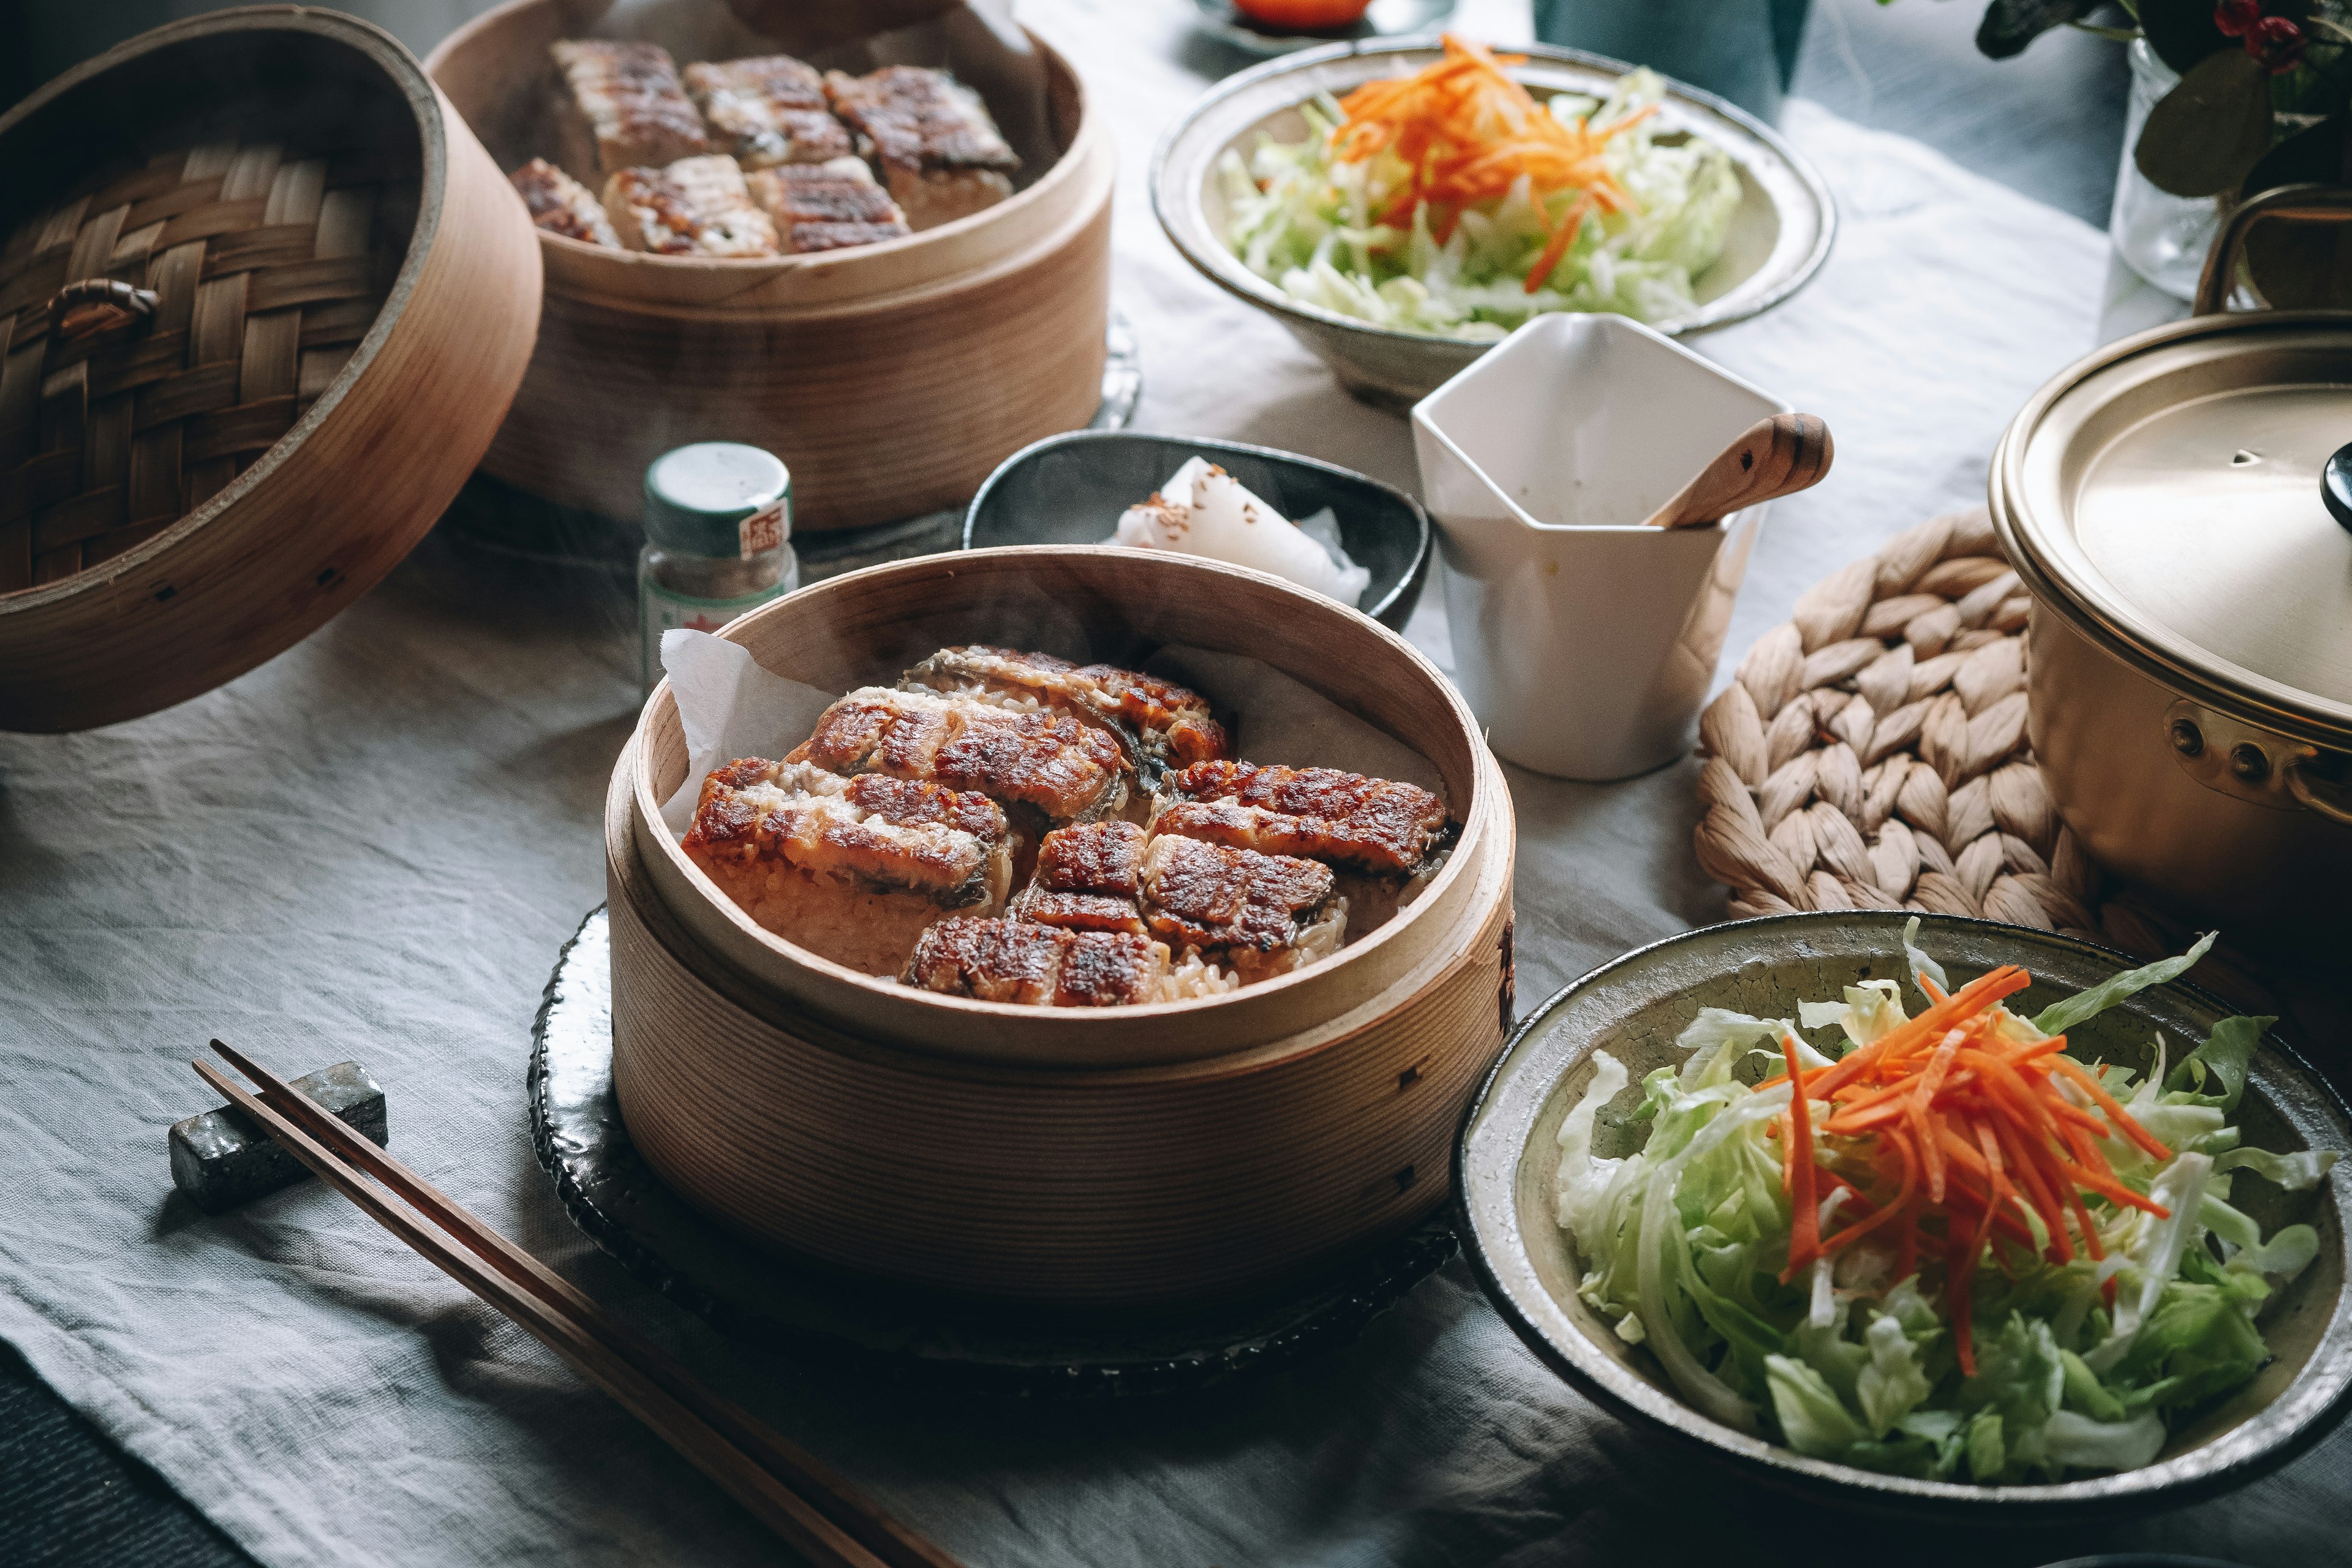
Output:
x=2161 y=237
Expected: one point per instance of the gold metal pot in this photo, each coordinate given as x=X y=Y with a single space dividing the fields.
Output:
x=2191 y=644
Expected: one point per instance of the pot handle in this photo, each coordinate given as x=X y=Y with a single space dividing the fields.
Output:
x=2332 y=801
x=2305 y=203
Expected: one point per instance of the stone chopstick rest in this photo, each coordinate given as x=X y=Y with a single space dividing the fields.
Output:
x=221 y=1159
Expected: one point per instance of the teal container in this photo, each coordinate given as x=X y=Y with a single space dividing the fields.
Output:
x=1745 y=50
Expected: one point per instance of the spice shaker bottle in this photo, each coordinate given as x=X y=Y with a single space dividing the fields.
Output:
x=718 y=527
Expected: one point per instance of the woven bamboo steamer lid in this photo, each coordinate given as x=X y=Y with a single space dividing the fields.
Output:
x=892 y=378
x=252 y=337
x=1871 y=752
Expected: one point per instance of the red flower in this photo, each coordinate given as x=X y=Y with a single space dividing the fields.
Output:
x=2238 y=18
x=2276 y=42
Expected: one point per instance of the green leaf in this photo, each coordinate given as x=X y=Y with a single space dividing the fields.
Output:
x=2295 y=1172
x=2085 y=1393
x=1987 y=1455
x=1811 y=1416
x=2010 y=25
x=2203 y=136
x=2084 y=1005
x=2182 y=33
x=2224 y=1057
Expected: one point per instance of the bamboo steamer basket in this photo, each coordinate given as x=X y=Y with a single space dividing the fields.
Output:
x=1122 y=1157
x=892 y=378
x=315 y=296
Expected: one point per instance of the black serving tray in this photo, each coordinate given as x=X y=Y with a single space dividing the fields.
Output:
x=838 y=1322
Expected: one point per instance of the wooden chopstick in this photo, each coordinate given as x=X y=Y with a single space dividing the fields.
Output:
x=837 y=1499
x=819 y=1514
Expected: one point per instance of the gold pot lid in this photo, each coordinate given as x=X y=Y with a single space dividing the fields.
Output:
x=2164 y=496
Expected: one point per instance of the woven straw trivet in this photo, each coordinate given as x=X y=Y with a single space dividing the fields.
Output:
x=1871 y=755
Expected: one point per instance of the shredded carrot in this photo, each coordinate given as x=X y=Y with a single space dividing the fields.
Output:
x=1956 y=1138
x=1968 y=1001
x=2117 y=1116
x=1562 y=238
x=1804 y=1215
x=1466 y=132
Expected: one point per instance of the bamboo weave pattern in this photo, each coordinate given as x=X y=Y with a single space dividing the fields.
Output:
x=1871 y=753
x=269 y=264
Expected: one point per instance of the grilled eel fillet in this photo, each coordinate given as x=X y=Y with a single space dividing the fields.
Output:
x=1064 y=768
x=1370 y=825
x=561 y=205
x=1260 y=915
x=1163 y=724
x=1088 y=876
x=941 y=153
x=767 y=111
x=695 y=206
x=620 y=105
x=1017 y=961
x=825 y=206
x=950 y=846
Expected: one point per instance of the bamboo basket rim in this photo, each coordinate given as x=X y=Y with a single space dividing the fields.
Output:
x=425 y=103
x=753 y=268
x=1485 y=813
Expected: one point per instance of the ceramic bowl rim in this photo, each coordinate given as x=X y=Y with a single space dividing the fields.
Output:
x=1247 y=287
x=1770 y=1464
x=1424 y=533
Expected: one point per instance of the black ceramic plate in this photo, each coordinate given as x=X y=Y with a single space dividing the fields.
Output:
x=1070 y=489
x=1382 y=19
x=862 y=1329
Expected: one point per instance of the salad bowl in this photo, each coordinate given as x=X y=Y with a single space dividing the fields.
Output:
x=1780 y=234
x=1507 y=1161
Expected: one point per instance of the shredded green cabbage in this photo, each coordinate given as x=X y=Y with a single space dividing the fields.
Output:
x=1309 y=225
x=1682 y=1245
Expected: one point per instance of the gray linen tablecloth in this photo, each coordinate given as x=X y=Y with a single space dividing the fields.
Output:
x=373 y=845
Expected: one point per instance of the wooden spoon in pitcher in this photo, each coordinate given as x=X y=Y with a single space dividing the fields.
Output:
x=1777 y=457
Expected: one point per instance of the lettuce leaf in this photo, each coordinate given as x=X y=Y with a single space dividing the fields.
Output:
x=1869 y=1010
x=2060 y=1016
x=2295 y=1172
x=2287 y=1253
x=1916 y=962
x=1893 y=1384
x=2156 y=1256
x=2079 y=1441
x=2198 y=1342
x=1812 y=1420
x=2225 y=1056
x=1988 y=1454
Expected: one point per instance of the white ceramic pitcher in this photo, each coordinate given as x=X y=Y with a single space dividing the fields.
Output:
x=1584 y=639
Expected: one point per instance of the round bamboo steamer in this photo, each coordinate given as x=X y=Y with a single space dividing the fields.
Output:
x=344 y=291
x=891 y=378
x=1144 y=1185
x=866 y=627
x=1072 y=1156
